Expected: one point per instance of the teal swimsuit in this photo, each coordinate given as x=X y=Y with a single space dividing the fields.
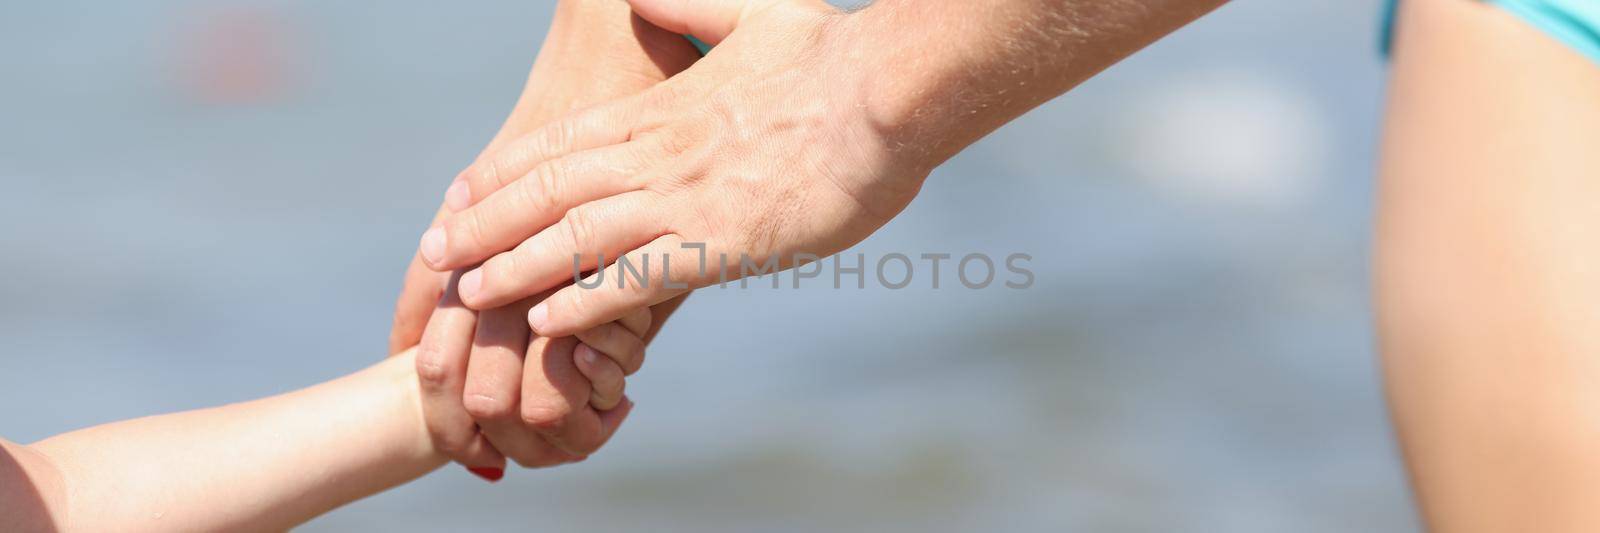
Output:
x=1575 y=23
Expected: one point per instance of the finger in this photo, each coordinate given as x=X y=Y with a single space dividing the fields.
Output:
x=441 y=375
x=637 y=321
x=587 y=233
x=539 y=199
x=494 y=387
x=599 y=126
x=669 y=270
x=555 y=397
x=708 y=20
x=606 y=381
x=419 y=294
x=616 y=342
x=494 y=379
x=494 y=370
x=611 y=420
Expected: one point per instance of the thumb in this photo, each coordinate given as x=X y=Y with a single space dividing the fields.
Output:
x=708 y=20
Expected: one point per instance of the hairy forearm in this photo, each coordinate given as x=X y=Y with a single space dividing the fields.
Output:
x=953 y=71
x=261 y=465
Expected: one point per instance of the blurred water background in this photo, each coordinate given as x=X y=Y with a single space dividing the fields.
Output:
x=214 y=201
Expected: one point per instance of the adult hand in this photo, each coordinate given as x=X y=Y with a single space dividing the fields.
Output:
x=595 y=51
x=803 y=132
x=762 y=150
x=491 y=387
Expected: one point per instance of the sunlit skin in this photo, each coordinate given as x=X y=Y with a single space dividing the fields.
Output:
x=163 y=473
x=492 y=390
x=806 y=130
x=1488 y=270
x=264 y=465
x=803 y=132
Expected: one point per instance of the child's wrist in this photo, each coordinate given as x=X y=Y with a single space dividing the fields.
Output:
x=399 y=376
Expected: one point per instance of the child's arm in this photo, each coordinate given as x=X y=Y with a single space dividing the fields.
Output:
x=262 y=465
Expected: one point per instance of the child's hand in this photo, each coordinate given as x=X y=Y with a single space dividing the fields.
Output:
x=491 y=391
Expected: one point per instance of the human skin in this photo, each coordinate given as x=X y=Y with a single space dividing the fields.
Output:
x=1487 y=270
x=530 y=395
x=262 y=465
x=804 y=131
x=545 y=373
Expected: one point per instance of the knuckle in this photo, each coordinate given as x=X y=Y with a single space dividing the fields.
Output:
x=473 y=226
x=546 y=418
x=523 y=199
x=487 y=407
x=431 y=370
x=615 y=386
x=525 y=196
x=543 y=195
x=550 y=139
x=579 y=225
x=633 y=359
x=672 y=142
x=607 y=378
x=489 y=171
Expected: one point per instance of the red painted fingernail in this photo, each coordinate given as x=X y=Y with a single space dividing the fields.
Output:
x=488 y=474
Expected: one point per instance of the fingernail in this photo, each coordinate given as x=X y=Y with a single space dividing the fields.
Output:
x=588 y=354
x=470 y=284
x=539 y=316
x=458 y=195
x=433 y=246
x=488 y=474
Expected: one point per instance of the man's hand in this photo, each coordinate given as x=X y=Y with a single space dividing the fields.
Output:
x=759 y=150
x=492 y=390
x=595 y=51
x=805 y=130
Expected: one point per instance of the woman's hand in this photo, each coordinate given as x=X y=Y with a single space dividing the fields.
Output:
x=762 y=151
x=492 y=391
